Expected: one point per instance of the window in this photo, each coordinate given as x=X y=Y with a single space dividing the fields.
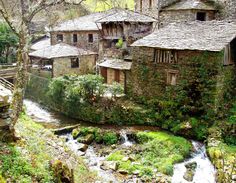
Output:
x=165 y=56
x=141 y=5
x=74 y=62
x=172 y=77
x=75 y=38
x=59 y=37
x=150 y=4
x=201 y=16
x=228 y=56
x=90 y=38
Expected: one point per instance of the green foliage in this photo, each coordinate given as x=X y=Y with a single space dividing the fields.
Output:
x=61 y=172
x=8 y=43
x=119 y=44
x=18 y=168
x=2 y=180
x=115 y=89
x=110 y=138
x=116 y=156
x=163 y=150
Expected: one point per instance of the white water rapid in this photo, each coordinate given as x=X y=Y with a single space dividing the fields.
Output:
x=92 y=159
x=205 y=171
x=39 y=114
x=126 y=141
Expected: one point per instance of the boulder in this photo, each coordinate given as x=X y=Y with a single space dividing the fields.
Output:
x=124 y=172
x=82 y=147
x=75 y=133
x=88 y=139
x=109 y=165
x=136 y=172
x=125 y=158
x=191 y=168
x=189 y=175
x=191 y=165
x=80 y=153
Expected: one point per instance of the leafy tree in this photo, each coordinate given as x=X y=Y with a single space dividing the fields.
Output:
x=18 y=14
x=8 y=43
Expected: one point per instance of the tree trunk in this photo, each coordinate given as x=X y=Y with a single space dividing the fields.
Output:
x=20 y=82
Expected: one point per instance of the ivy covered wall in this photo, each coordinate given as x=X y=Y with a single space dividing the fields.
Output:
x=203 y=82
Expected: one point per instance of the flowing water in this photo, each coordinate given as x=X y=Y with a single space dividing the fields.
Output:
x=91 y=158
x=205 y=172
x=126 y=141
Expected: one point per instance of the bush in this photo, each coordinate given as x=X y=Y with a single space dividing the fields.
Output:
x=110 y=138
x=119 y=44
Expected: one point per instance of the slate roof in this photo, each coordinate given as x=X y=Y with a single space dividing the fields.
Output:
x=116 y=64
x=84 y=23
x=41 y=44
x=198 y=35
x=92 y=22
x=189 y=4
x=59 y=51
x=123 y=15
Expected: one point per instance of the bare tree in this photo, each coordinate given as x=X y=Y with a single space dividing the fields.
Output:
x=18 y=14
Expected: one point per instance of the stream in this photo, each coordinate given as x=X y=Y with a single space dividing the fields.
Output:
x=204 y=170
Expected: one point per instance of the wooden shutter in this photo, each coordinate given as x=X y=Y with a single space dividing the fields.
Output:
x=117 y=76
x=104 y=73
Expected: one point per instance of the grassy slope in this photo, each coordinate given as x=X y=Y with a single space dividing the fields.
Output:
x=28 y=160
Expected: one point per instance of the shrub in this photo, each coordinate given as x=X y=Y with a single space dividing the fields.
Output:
x=110 y=138
x=119 y=44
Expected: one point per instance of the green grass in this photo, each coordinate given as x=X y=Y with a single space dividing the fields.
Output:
x=19 y=167
x=160 y=150
x=116 y=156
x=96 y=6
x=29 y=160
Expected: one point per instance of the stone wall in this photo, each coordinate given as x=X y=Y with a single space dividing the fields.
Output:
x=82 y=39
x=111 y=76
x=62 y=66
x=198 y=77
x=167 y=17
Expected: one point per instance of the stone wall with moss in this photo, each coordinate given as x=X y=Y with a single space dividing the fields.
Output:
x=62 y=66
x=203 y=82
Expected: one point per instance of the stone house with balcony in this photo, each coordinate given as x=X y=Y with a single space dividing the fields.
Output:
x=62 y=59
x=124 y=26
x=181 y=60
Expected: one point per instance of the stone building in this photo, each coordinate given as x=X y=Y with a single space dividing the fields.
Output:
x=119 y=29
x=82 y=32
x=125 y=25
x=168 y=11
x=182 y=59
x=62 y=59
x=187 y=10
x=115 y=70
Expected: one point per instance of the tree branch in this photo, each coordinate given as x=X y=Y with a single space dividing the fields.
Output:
x=42 y=4
x=7 y=18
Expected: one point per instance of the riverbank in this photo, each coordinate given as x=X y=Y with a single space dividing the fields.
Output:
x=38 y=157
x=222 y=155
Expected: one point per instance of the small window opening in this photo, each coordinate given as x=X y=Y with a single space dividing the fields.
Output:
x=150 y=4
x=172 y=76
x=74 y=62
x=201 y=16
x=141 y=5
x=59 y=37
x=90 y=38
x=75 y=38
